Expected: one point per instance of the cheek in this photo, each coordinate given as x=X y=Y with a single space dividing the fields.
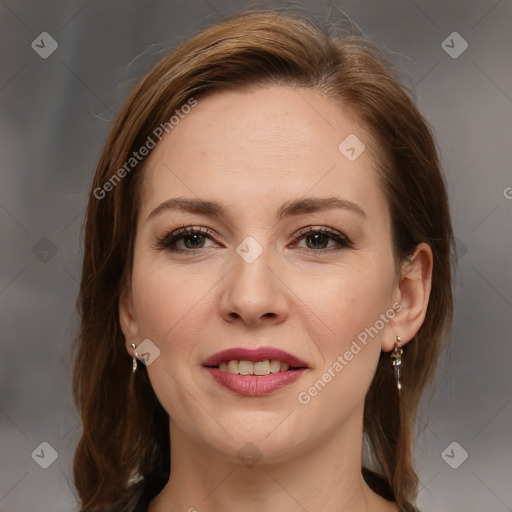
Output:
x=345 y=301
x=168 y=297
x=172 y=310
x=348 y=345
x=349 y=302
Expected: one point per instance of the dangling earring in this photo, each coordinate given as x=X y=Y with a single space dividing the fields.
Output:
x=396 y=356
x=134 y=362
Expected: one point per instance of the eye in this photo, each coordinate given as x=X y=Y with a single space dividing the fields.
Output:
x=192 y=238
x=317 y=240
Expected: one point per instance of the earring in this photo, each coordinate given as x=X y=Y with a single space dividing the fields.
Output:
x=396 y=356
x=134 y=362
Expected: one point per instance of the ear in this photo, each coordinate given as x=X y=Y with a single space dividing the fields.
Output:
x=413 y=293
x=127 y=319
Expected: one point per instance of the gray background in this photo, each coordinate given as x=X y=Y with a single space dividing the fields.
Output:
x=55 y=115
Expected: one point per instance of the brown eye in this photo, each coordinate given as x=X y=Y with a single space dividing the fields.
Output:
x=317 y=240
x=193 y=238
x=194 y=241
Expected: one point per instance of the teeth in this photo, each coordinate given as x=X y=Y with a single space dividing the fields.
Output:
x=262 y=367
x=257 y=368
x=245 y=367
x=232 y=367
x=275 y=366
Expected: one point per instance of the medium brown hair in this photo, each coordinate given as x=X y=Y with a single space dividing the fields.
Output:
x=125 y=429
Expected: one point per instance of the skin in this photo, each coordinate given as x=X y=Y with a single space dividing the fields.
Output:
x=254 y=151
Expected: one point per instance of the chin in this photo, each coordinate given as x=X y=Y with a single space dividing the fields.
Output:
x=260 y=440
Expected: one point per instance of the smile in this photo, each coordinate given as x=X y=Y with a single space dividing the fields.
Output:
x=254 y=372
x=254 y=368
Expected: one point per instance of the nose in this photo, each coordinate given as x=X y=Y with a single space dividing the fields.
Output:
x=254 y=293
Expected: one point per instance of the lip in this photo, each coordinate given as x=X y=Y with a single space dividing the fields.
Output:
x=259 y=354
x=255 y=385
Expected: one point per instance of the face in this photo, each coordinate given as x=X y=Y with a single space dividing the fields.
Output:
x=296 y=257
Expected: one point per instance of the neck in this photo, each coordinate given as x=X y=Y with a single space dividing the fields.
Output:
x=327 y=476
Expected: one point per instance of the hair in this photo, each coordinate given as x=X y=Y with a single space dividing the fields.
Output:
x=125 y=430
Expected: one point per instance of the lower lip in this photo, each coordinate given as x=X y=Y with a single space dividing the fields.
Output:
x=255 y=385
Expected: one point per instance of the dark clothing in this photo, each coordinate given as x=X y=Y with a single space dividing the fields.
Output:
x=145 y=490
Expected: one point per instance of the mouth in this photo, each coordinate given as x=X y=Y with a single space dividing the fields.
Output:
x=261 y=368
x=254 y=372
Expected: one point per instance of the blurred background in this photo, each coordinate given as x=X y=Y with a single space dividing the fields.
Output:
x=65 y=69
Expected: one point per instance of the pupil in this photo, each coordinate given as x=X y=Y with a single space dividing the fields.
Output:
x=318 y=238
x=195 y=243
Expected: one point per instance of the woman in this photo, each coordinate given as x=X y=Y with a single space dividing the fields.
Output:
x=266 y=280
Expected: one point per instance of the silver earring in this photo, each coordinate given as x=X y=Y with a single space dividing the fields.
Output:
x=134 y=362
x=396 y=356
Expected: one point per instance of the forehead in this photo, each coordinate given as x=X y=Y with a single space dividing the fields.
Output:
x=250 y=147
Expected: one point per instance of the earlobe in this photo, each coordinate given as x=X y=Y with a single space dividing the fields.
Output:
x=413 y=293
x=127 y=319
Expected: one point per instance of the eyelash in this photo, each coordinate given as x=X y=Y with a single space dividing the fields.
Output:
x=167 y=241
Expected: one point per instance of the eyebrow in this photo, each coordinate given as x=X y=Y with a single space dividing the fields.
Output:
x=288 y=209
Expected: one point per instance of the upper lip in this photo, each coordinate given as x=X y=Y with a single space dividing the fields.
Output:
x=259 y=354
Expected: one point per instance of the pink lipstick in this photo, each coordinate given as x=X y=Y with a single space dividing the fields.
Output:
x=254 y=372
